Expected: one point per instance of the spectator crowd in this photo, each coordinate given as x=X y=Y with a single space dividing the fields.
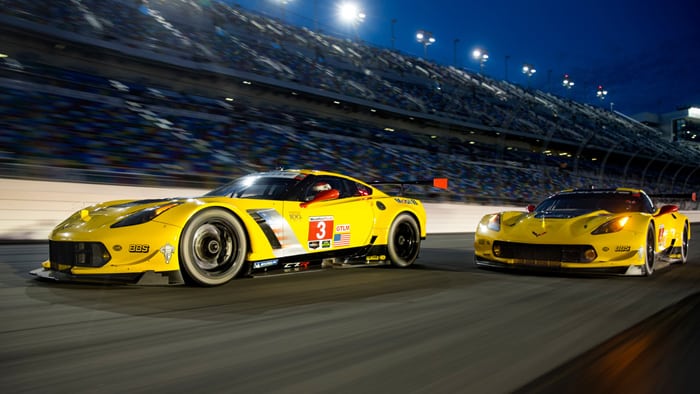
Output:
x=495 y=140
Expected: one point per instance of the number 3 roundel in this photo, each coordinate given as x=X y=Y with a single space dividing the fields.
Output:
x=320 y=228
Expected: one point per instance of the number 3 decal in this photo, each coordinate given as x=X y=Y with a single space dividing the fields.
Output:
x=321 y=227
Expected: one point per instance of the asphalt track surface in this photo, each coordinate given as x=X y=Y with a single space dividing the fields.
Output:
x=442 y=326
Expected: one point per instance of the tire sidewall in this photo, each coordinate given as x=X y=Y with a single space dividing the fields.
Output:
x=685 y=246
x=649 y=268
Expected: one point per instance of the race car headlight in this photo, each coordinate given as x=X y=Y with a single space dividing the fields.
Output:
x=143 y=216
x=611 y=226
x=494 y=223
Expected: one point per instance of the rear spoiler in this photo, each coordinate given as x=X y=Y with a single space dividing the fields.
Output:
x=690 y=196
x=440 y=183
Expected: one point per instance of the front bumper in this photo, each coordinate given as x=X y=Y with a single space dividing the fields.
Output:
x=558 y=267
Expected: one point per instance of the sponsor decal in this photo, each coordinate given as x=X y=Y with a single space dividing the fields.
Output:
x=342 y=228
x=139 y=248
x=341 y=239
x=662 y=235
x=623 y=248
x=302 y=265
x=408 y=201
x=325 y=244
x=294 y=216
x=263 y=264
x=314 y=245
x=376 y=258
x=168 y=251
x=539 y=234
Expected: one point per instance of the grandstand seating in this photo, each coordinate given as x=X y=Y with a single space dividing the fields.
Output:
x=63 y=117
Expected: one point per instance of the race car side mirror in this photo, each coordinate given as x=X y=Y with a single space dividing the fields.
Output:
x=325 y=195
x=667 y=209
x=531 y=208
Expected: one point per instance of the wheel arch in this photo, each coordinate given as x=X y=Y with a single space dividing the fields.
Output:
x=410 y=213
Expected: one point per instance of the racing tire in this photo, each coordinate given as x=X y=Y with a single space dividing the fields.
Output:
x=213 y=248
x=684 y=244
x=649 y=252
x=403 y=243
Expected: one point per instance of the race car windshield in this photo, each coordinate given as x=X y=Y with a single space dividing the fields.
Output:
x=611 y=202
x=261 y=187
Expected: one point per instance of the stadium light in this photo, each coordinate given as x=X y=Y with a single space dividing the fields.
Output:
x=567 y=82
x=426 y=38
x=601 y=93
x=482 y=56
x=529 y=70
x=352 y=14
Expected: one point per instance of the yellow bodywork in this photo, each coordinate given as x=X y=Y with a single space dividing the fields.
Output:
x=302 y=229
x=620 y=251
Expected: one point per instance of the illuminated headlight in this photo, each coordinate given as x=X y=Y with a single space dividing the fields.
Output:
x=143 y=216
x=611 y=226
x=494 y=223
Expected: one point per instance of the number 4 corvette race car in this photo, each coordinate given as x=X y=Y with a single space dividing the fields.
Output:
x=287 y=220
x=614 y=231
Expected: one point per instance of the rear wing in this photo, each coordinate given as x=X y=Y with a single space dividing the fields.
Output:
x=689 y=196
x=440 y=183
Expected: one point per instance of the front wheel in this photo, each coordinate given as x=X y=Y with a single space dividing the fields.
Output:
x=404 y=241
x=212 y=247
x=684 y=244
x=650 y=254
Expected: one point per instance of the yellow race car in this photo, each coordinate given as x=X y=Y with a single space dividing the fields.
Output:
x=286 y=220
x=614 y=231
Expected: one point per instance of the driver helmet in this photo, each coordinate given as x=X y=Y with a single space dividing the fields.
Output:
x=320 y=187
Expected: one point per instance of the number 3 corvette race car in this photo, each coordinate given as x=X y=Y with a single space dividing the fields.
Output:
x=287 y=220
x=614 y=231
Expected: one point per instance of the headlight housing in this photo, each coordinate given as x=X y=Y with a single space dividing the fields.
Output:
x=494 y=223
x=144 y=216
x=611 y=226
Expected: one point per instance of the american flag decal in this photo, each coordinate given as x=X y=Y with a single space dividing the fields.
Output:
x=341 y=239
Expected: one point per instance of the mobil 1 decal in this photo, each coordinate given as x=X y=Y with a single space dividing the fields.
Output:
x=320 y=232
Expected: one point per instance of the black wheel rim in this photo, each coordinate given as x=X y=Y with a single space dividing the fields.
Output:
x=405 y=241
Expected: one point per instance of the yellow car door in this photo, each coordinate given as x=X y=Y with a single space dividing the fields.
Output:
x=332 y=216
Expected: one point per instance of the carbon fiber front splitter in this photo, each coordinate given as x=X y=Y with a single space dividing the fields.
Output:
x=145 y=278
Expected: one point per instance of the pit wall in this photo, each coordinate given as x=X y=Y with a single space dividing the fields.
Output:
x=30 y=209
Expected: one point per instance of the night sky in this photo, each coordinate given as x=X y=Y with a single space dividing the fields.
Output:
x=646 y=54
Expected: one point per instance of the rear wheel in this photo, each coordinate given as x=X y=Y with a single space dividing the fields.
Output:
x=404 y=241
x=212 y=248
x=650 y=255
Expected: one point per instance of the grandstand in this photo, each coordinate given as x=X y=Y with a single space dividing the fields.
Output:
x=193 y=93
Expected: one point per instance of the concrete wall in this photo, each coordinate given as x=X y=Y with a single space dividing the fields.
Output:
x=30 y=209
